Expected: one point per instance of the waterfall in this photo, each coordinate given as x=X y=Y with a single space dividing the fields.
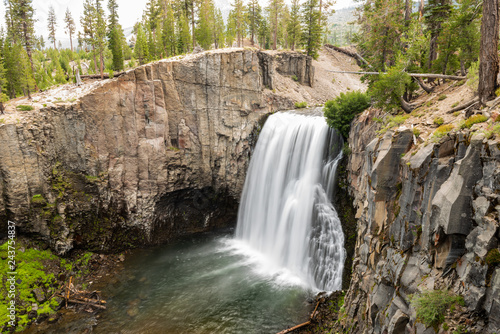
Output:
x=286 y=210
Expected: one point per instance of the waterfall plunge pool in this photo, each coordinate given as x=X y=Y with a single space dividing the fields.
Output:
x=206 y=284
x=288 y=245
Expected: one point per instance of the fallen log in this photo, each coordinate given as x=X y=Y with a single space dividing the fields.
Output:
x=87 y=303
x=413 y=75
x=355 y=55
x=464 y=106
x=428 y=89
x=98 y=76
x=291 y=329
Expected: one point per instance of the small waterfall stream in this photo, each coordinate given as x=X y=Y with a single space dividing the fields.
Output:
x=286 y=210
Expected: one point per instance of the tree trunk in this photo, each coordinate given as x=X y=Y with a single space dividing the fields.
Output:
x=408 y=108
x=428 y=89
x=71 y=41
x=95 y=60
x=408 y=6
x=102 y=64
x=421 y=9
x=488 y=54
x=192 y=23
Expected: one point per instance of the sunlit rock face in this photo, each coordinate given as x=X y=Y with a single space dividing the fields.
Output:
x=427 y=220
x=159 y=152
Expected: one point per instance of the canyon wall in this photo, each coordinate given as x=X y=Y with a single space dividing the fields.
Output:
x=159 y=152
x=428 y=218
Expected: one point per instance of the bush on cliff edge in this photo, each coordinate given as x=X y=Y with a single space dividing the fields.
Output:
x=340 y=112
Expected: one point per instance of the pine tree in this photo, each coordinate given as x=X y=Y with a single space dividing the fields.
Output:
x=70 y=26
x=100 y=34
x=218 y=29
x=89 y=25
x=294 y=28
x=436 y=13
x=184 y=37
x=254 y=17
x=204 y=28
x=115 y=36
x=141 y=45
x=169 y=36
x=311 y=29
x=238 y=16
x=51 y=25
x=488 y=60
x=275 y=7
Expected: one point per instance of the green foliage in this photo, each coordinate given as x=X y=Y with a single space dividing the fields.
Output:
x=392 y=121
x=416 y=132
x=438 y=121
x=431 y=306
x=294 y=78
x=474 y=119
x=300 y=105
x=38 y=199
x=442 y=97
x=23 y=107
x=493 y=257
x=388 y=88
x=442 y=131
x=311 y=28
x=340 y=112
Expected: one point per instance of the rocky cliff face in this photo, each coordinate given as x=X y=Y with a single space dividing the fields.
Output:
x=158 y=152
x=428 y=218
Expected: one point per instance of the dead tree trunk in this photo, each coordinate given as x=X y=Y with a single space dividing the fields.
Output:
x=488 y=54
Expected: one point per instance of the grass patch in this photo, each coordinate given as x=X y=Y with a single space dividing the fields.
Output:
x=431 y=306
x=442 y=97
x=38 y=199
x=474 y=119
x=438 y=121
x=442 y=131
x=454 y=105
x=91 y=178
x=416 y=132
x=294 y=78
x=24 y=107
x=300 y=105
x=393 y=121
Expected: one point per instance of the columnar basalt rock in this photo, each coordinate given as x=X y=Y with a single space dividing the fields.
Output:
x=159 y=152
x=427 y=219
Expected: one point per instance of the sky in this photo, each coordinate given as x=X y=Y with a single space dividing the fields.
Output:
x=129 y=11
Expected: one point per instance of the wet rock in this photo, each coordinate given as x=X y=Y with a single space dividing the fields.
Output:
x=39 y=295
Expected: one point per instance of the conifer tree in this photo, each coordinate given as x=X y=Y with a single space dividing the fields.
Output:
x=218 y=28
x=51 y=25
x=204 y=28
x=141 y=51
x=169 y=37
x=294 y=28
x=100 y=34
x=70 y=26
x=184 y=36
x=275 y=7
x=311 y=29
x=89 y=25
x=254 y=17
x=115 y=36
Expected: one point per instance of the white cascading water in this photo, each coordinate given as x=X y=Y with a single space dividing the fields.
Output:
x=286 y=210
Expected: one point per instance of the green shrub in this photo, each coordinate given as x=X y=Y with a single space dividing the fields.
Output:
x=294 y=78
x=493 y=257
x=442 y=130
x=388 y=88
x=340 y=112
x=300 y=105
x=442 y=97
x=438 y=121
x=416 y=132
x=431 y=306
x=474 y=119
x=24 y=107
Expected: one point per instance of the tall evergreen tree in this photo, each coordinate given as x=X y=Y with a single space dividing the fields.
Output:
x=238 y=16
x=275 y=7
x=88 y=21
x=52 y=25
x=183 y=37
x=204 y=28
x=218 y=29
x=141 y=50
x=169 y=36
x=254 y=17
x=115 y=36
x=311 y=29
x=100 y=34
x=70 y=26
x=294 y=27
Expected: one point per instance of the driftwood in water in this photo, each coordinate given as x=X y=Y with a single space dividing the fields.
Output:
x=414 y=75
x=98 y=76
x=72 y=295
x=354 y=55
x=291 y=329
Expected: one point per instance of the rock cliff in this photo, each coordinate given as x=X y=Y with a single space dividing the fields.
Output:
x=428 y=218
x=156 y=153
